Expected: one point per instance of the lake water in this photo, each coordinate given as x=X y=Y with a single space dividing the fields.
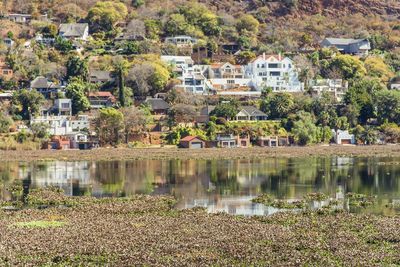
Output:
x=218 y=185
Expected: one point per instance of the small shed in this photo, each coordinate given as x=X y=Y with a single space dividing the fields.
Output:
x=192 y=142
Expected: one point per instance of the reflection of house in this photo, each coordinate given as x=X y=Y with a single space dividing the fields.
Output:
x=45 y=87
x=158 y=106
x=348 y=46
x=337 y=88
x=74 y=31
x=101 y=100
x=192 y=142
x=250 y=113
x=344 y=137
x=274 y=71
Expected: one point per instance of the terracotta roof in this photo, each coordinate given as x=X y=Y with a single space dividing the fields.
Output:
x=277 y=57
x=189 y=138
x=102 y=93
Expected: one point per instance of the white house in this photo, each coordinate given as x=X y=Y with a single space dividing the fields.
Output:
x=276 y=72
x=63 y=125
x=336 y=87
x=343 y=137
x=74 y=31
x=181 y=40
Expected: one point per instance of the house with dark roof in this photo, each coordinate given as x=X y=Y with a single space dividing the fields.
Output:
x=101 y=100
x=100 y=76
x=250 y=113
x=395 y=83
x=348 y=46
x=74 y=31
x=47 y=88
x=158 y=106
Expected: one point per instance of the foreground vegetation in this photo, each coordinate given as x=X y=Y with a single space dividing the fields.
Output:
x=147 y=230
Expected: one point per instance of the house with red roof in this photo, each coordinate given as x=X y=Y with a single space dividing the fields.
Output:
x=192 y=142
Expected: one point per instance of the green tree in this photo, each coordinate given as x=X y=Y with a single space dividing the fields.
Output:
x=361 y=95
x=40 y=130
x=63 y=45
x=278 y=106
x=244 y=57
x=350 y=67
x=77 y=67
x=387 y=105
x=5 y=123
x=305 y=131
x=104 y=15
x=226 y=109
x=109 y=124
x=121 y=67
x=76 y=91
x=27 y=103
x=247 y=23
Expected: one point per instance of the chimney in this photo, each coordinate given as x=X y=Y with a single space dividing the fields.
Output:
x=264 y=56
x=280 y=56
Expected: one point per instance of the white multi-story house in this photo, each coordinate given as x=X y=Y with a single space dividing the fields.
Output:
x=336 y=87
x=63 y=125
x=276 y=72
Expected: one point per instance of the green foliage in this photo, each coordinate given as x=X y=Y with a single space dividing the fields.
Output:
x=226 y=109
x=174 y=136
x=40 y=130
x=109 y=124
x=63 y=45
x=277 y=106
x=76 y=91
x=5 y=123
x=104 y=15
x=27 y=103
x=361 y=96
x=247 y=23
x=244 y=57
x=121 y=67
x=388 y=106
x=77 y=67
x=349 y=66
x=50 y=31
x=305 y=131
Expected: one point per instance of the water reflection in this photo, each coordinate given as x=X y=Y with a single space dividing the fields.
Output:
x=219 y=186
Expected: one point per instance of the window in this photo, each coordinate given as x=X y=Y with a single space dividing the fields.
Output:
x=230 y=81
x=273 y=66
x=64 y=105
x=275 y=74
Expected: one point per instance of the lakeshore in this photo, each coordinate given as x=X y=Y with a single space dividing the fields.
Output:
x=147 y=230
x=109 y=154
